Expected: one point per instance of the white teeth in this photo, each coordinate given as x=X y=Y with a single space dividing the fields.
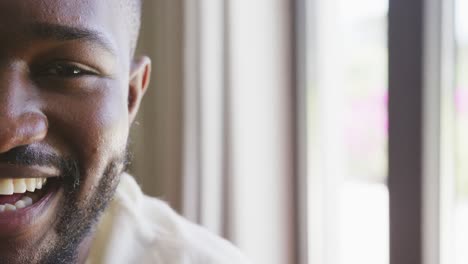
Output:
x=20 y=204
x=19 y=185
x=10 y=186
x=39 y=183
x=23 y=203
x=6 y=186
x=27 y=200
x=10 y=207
x=30 y=184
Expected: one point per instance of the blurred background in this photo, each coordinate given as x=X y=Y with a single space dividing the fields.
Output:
x=311 y=131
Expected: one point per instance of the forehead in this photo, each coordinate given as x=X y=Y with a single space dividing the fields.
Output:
x=101 y=16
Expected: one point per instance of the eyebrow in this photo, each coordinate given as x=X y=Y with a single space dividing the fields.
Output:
x=69 y=33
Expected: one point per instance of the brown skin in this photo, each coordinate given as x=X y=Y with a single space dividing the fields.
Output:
x=84 y=115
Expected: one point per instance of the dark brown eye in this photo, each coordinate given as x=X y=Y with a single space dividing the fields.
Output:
x=66 y=70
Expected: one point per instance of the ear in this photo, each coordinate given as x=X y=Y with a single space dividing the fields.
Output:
x=140 y=72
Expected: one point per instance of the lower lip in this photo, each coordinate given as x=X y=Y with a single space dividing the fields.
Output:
x=16 y=222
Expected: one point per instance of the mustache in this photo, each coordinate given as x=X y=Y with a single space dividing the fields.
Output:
x=29 y=156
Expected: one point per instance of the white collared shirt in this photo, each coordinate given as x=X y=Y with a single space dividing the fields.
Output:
x=139 y=229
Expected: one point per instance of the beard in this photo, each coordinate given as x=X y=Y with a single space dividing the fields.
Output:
x=77 y=216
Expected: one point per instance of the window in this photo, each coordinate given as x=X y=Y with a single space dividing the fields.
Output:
x=460 y=212
x=387 y=131
x=347 y=107
x=386 y=115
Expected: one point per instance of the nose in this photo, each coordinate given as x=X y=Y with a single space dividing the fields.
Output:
x=21 y=130
x=21 y=122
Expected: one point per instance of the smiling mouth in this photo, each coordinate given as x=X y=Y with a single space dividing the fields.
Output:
x=18 y=194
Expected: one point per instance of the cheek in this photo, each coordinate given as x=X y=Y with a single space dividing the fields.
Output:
x=93 y=127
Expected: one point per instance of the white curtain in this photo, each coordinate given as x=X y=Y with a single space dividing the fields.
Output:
x=240 y=134
x=217 y=137
x=157 y=135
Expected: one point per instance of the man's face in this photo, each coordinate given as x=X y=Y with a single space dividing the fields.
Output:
x=68 y=93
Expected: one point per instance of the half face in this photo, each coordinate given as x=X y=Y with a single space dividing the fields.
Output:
x=68 y=93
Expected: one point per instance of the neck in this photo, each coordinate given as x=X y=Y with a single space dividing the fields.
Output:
x=84 y=249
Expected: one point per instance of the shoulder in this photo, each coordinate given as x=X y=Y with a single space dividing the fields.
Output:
x=192 y=243
x=167 y=236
